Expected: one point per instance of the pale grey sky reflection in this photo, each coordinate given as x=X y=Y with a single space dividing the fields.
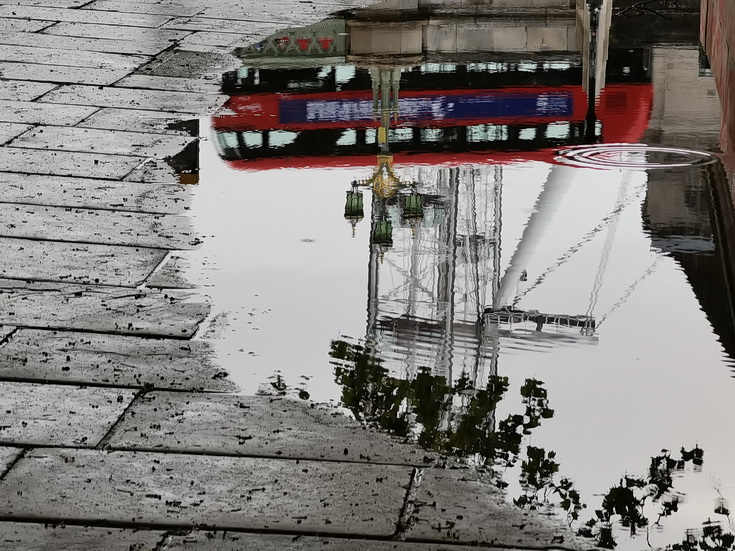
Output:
x=280 y=258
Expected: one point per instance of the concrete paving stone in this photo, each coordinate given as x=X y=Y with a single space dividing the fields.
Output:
x=156 y=37
x=60 y=74
x=29 y=259
x=171 y=275
x=113 y=142
x=202 y=49
x=23 y=536
x=61 y=191
x=282 y=13
x=41 y=113
x=239 y=10
x=50 y=3
x=105 y=227
x=116 y=360
x=100 y=309
x=67 y=163
x=140 y=121
x=22 y=25
x=154 y=170
x=228 y=40
x=10 y=130
x=465 y=506
x=23 y=90
x=256 y=426
x=130 y=98
x=70 y=58
x=7 y=456
x=230 y=541
x=177 y=84
x=82 y=16
x=261 y=24
x=157 y=8
x=59 y=415
x=43 y=40
x=184 y=64
x=5 y=332
x=206 y=491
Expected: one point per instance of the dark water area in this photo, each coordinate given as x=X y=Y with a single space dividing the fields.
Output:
x=503 y=233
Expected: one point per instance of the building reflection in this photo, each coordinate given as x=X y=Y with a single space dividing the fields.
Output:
x=432 y=103
x=449 y=87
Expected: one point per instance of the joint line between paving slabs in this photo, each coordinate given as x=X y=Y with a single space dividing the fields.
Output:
x=157 y=268
x=175 y=529
x=236 y=455
x=94 y=384
x=105 y=440
x=82 y=242
x=6 y=338
x=14 y=462
x=406 y=518
x=66 y=328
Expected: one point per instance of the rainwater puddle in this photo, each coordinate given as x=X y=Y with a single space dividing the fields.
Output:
x=446 y=240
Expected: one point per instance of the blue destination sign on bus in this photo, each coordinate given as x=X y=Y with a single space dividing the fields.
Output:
x=434 y=108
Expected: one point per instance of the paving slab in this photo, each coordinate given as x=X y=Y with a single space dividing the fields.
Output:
x=48 y=537
x=211 y=38
x=151 y=37
x=255 y=426
x=61 y=74
x=465 y=506
x=160 y=122
x=40 y=113
x=22 y=25
x=229 y=541
x=176 y=84
x=185 y=490
x=51 y=3
x=156 y=8
x=82 y=16
x=113 y=142
x=171 y=275
x=62 y=191
x=55 y=415
x=87 y=358
x=135 y=98
x=10 y=130
x=203 y=49
x=154 y=170
x=106 y=227
x=7 y=456
x=184 y=64
x=28 y=259
x=70 y=58
x=81 y=44
x=66 y=163
x=227 y=25
x=23 y=90
x=99 y=309
x=5 y=332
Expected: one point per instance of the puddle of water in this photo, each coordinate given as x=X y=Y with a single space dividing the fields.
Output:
x=453 y=248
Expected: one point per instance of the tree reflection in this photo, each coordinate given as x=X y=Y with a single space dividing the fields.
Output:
x=712 y=538
x=456 y=419
x=448 y=418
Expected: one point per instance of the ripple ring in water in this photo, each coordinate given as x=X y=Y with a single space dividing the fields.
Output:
x=640 y=156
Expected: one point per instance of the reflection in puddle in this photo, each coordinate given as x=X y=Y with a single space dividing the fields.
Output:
x=644 y=157
x=431 y=198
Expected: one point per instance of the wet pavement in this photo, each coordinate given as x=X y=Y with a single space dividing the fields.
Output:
x=524 y=309
x=118 y=429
